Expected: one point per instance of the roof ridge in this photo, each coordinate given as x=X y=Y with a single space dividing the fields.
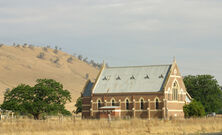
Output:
x=140 y=66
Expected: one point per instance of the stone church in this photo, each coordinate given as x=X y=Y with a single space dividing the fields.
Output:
x=155 y=91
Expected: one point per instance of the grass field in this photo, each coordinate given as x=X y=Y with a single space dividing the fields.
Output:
x=70 y=126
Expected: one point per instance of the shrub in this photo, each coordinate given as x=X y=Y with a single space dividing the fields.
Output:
x=1 y=45
x=80 y=57
x=45 y=49
x=41 y=55
x=55 y=50
x=25 y=45
x=31 y=47
x=85 y=60
x=194 y=109
x=56 y=60
x=70 y=59
x=78 y=105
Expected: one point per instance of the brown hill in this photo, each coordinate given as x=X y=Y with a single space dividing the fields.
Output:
x=25 y=64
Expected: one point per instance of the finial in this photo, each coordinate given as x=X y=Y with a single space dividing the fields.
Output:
x=174 y=59
x=104 y=65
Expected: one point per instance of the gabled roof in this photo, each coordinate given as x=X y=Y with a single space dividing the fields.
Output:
x=132 y=79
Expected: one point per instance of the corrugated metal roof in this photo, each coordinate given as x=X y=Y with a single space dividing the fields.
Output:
x=132 y=79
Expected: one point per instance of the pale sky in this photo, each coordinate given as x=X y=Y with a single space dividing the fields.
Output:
x=122 y=32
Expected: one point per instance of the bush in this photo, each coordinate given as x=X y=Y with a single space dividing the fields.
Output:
x=78 y=105
x=56 y=60
x=85 y=60
x=55 y=50
x=70 y=59
x=25 y=45
x=194 y=109
x=31 y=47
x=45 y=49
x=41 y=55
x=1 y=45
x=80 y=57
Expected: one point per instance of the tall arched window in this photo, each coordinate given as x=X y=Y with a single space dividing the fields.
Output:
x=141 y=104
x=127 y=104
x=99 y=103
x=157 y=104
x=175 y=91
x=113 y=102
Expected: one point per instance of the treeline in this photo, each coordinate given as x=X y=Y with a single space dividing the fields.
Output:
x=56 y=50
x=206 y=94
x=90 y=62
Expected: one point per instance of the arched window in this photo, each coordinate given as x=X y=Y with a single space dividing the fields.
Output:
x=113 y=102
x=141 y=104
x=175 y=91
x=127 y=104
x=157 y=104
x=99 y=103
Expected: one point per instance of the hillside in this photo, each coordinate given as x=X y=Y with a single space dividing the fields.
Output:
x=23 y=64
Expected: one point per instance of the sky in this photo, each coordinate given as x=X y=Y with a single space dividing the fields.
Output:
x=122 y=32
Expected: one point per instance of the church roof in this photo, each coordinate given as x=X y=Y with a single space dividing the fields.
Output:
x=132 y=79
x=87 y=89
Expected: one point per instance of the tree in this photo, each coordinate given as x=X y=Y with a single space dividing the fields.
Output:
x=194 y=109
x=70 y=59
x=205 y=89
x=41 y=55
x=55 y=50
x=78 y=105
x=46 y=97
x=80 y=57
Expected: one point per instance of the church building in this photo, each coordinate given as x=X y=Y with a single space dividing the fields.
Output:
x=155 y=91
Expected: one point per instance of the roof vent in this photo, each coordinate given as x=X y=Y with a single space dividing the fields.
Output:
x=105 y=78
x=161 y=76
x=118 y=78
x=132 y=78
x=146 y=77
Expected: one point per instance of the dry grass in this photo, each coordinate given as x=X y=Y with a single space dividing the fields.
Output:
x=21 y=65
x=69 y=126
